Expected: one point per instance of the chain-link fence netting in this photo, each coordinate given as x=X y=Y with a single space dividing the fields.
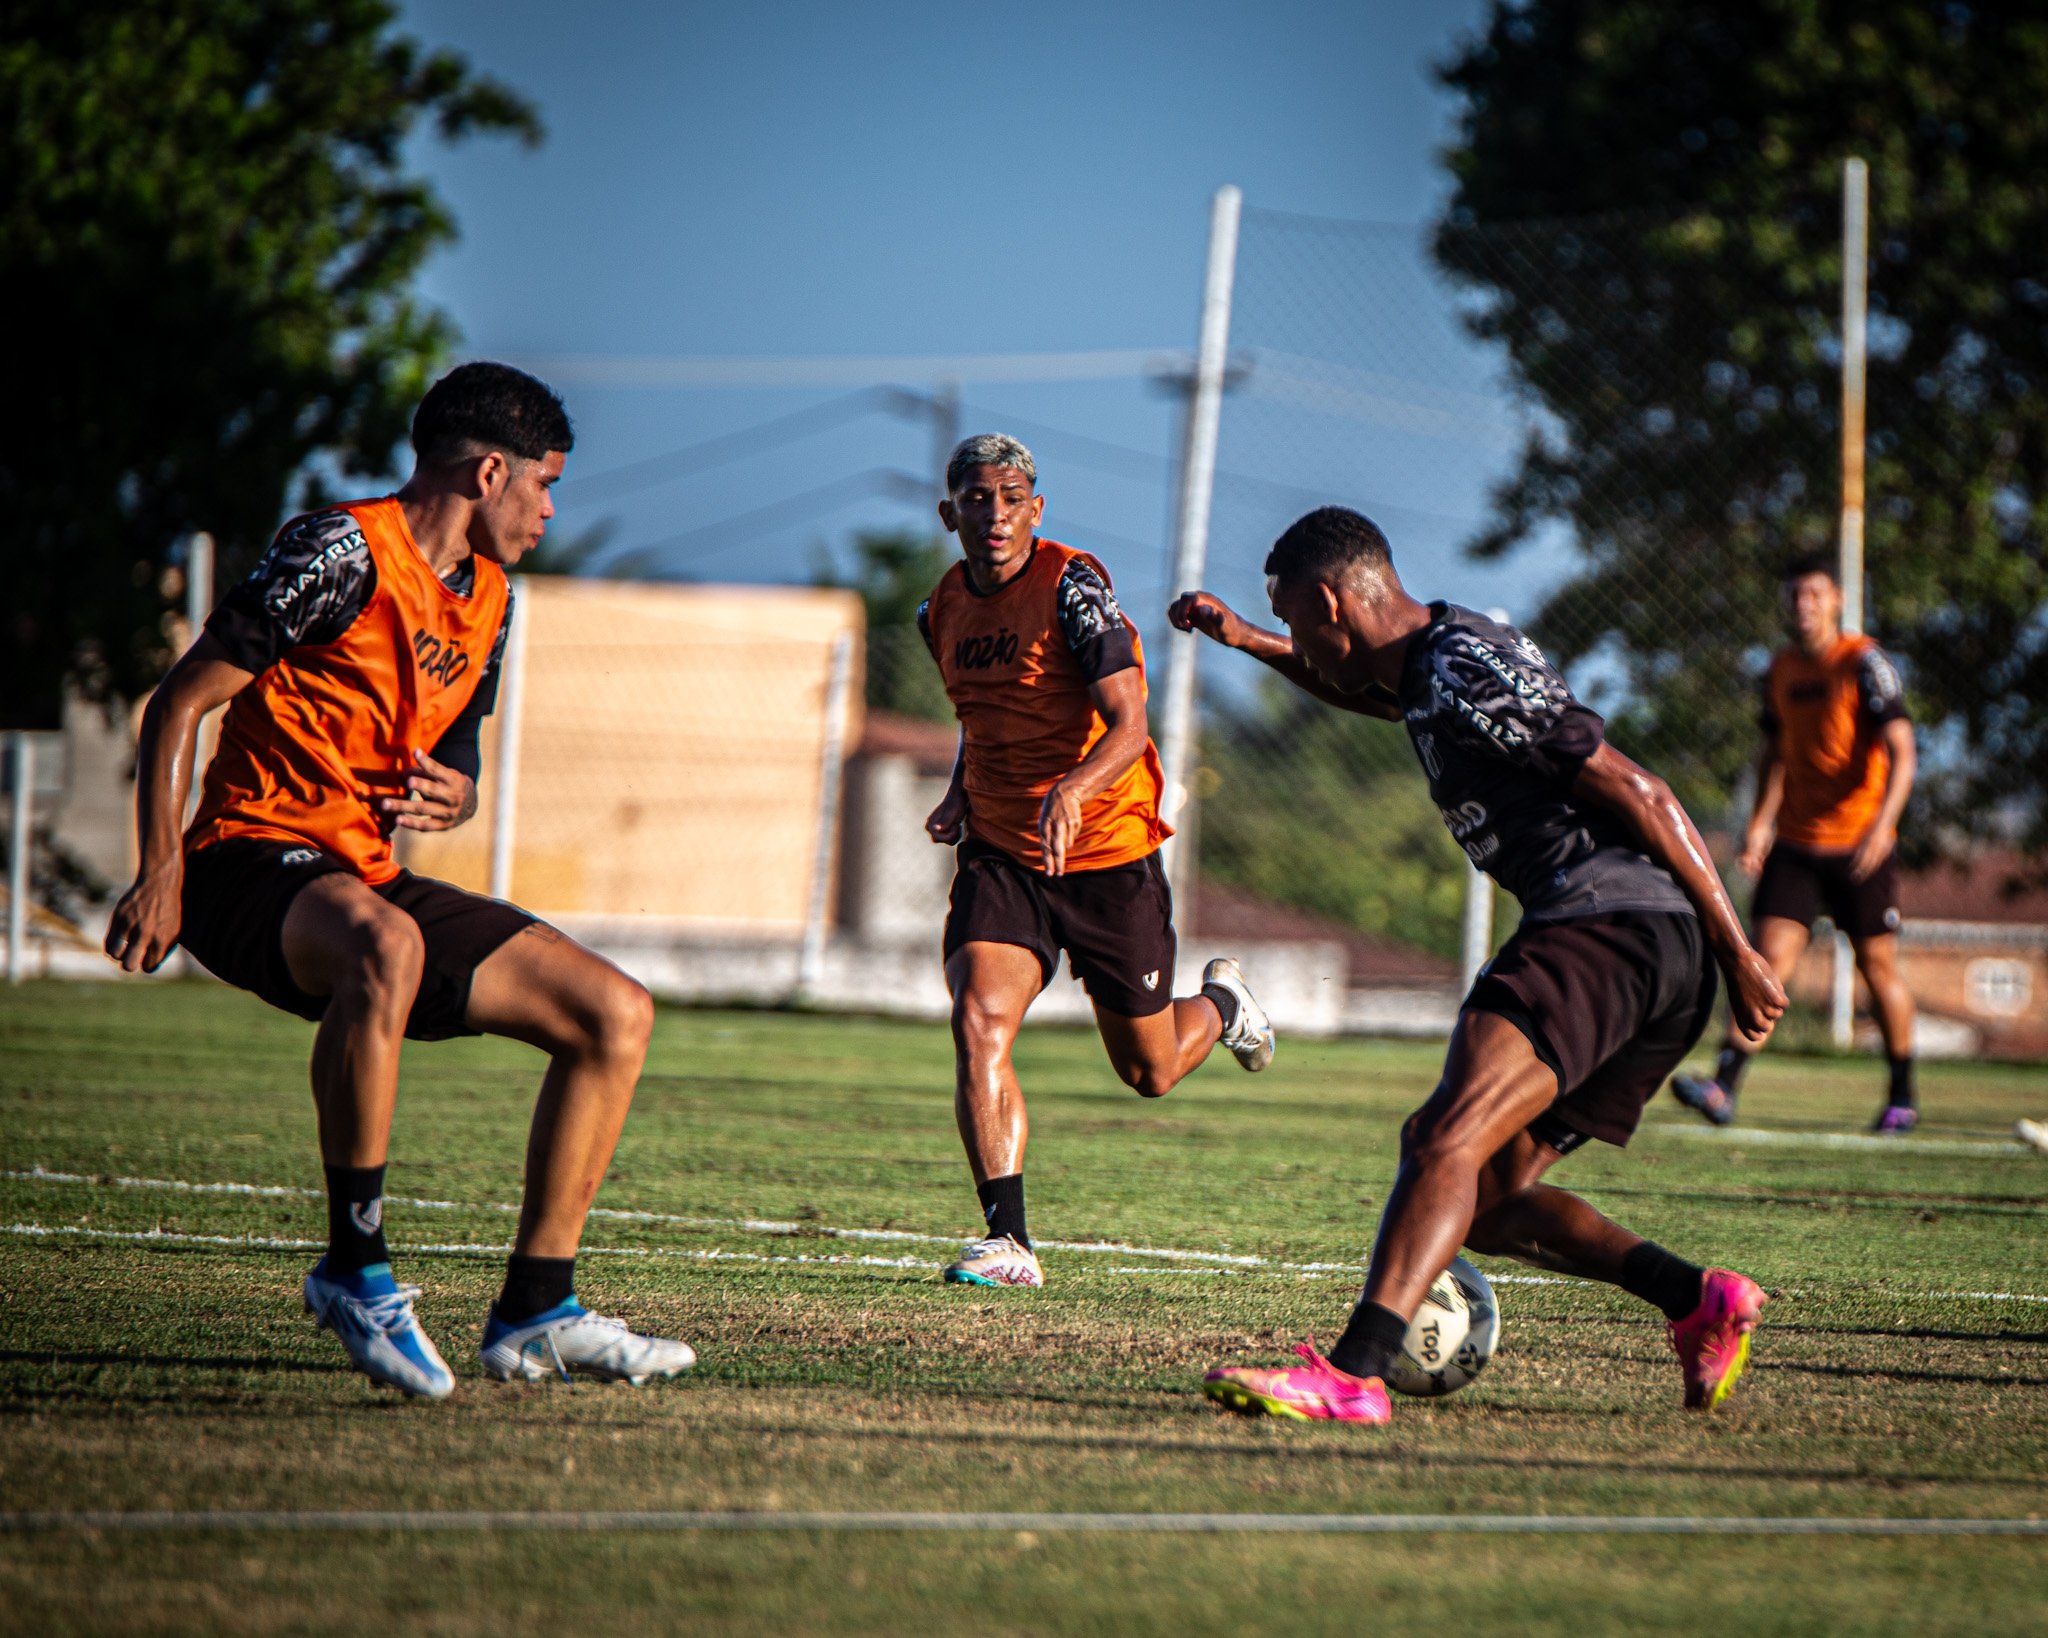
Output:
x=1619 y=431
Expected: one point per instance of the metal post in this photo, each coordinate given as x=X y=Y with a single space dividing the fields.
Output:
x=505 y=776
x=810 y=967
x=18 y=844
x=198 y=581
x=1842 y=1025
x=1855 y=350
x=1191 y=532
x=1478 y=920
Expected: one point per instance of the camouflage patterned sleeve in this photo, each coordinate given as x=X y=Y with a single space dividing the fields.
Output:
x=309 y=588
x=1505 y=700
x=924 y=627
x=1097 y=634
x=1878 y=689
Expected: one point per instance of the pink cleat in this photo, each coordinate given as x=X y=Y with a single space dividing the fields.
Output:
x=1712 y=1342
x=1315 y=1392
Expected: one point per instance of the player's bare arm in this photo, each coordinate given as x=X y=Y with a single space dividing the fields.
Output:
x=1668 y=836
x=1119 y=699
x=1212 y=617
x=145 y=923
x=1883 y=835
x=948 y=821
x=1762 y=829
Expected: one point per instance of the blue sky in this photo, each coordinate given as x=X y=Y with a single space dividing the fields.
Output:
x=827 y=185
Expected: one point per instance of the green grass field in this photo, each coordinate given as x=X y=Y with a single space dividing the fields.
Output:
x=838 y=1373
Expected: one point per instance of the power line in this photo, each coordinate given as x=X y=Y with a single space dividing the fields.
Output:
x=728 y=446
x=654 y=370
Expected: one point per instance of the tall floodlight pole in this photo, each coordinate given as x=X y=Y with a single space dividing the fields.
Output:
x=505 y=776
x=1855 y=311
x=1191 y=535
x=1855 y=350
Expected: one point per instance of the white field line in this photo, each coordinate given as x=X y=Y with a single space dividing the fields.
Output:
x=1372 y=1524
x=2011 y=1148
x=1232 y=1263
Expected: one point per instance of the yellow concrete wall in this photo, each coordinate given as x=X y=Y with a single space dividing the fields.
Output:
x=669 y=760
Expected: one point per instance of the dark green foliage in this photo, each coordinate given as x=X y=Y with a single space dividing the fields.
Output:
x=1328 y=811
x=894 y=572
x=1648 y=212
x=206 y=239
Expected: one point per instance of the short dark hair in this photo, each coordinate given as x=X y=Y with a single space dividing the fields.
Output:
x=1807 y=563
x=493 y=405
x=1328 y=541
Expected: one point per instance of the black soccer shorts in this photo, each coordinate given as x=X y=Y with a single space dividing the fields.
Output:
x=1799 y=884
x=238 y=890
x=1612 y=1003
x=1116 y=925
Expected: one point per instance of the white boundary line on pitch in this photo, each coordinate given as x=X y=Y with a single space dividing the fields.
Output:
x=1374 y=1524
x=2010 y=1147
x=1231 y=1262
x=457 y=1248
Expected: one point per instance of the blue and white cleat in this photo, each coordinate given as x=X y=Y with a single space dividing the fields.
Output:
x=570 y=1338
x=372 y=1314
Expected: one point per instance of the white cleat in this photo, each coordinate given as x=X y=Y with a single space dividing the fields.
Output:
x=2033 y=1133
x=381 y=1335
x=569 y=1338
x=1250 y=1039
x=997 y=1261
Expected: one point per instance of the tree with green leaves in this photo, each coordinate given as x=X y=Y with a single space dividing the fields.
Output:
x=1647 y=214
x=206 y=224
x=895 y=571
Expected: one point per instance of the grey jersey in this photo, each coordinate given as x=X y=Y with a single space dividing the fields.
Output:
x=1502 y=741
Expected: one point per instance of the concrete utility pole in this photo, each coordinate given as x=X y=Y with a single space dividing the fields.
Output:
x=1855 y=352
x=1191 y=533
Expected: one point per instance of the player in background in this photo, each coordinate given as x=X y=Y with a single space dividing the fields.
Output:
x=1054 y=804
x=1574 y=1024
x=356 y=662
x=1831 y=782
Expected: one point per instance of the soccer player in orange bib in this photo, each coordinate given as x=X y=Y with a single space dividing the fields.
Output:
x=1833 y=779
x=356 y=663
x=1054 y=805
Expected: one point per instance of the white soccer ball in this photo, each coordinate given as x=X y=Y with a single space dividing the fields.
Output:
x=1452 y=1336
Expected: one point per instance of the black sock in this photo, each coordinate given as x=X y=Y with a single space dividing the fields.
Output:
x=1662 y=1280
x=1002 y=1208
x=1225 y=1004
x=1729 y=1071
x=355 y=1218
x=1902 y=1082
x=1371 y=1342
x=533 y=1285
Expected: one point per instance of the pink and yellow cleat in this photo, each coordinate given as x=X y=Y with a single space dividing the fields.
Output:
x=1315 y=1392
x=1712 y=1342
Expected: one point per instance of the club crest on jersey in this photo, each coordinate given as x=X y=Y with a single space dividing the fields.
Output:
x=443 y=662
x=980 y=653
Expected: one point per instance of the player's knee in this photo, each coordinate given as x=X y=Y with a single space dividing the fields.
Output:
x=390 y=954
x=1146 y=1079
x=623 y=1019
x=981 y=1031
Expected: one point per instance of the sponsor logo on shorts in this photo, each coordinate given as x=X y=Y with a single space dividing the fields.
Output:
x=1891 y=919
x=1152 y=979
x=299 y=855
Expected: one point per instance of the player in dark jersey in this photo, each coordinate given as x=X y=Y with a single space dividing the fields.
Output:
x=356 y=663
x=1572 y=1027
